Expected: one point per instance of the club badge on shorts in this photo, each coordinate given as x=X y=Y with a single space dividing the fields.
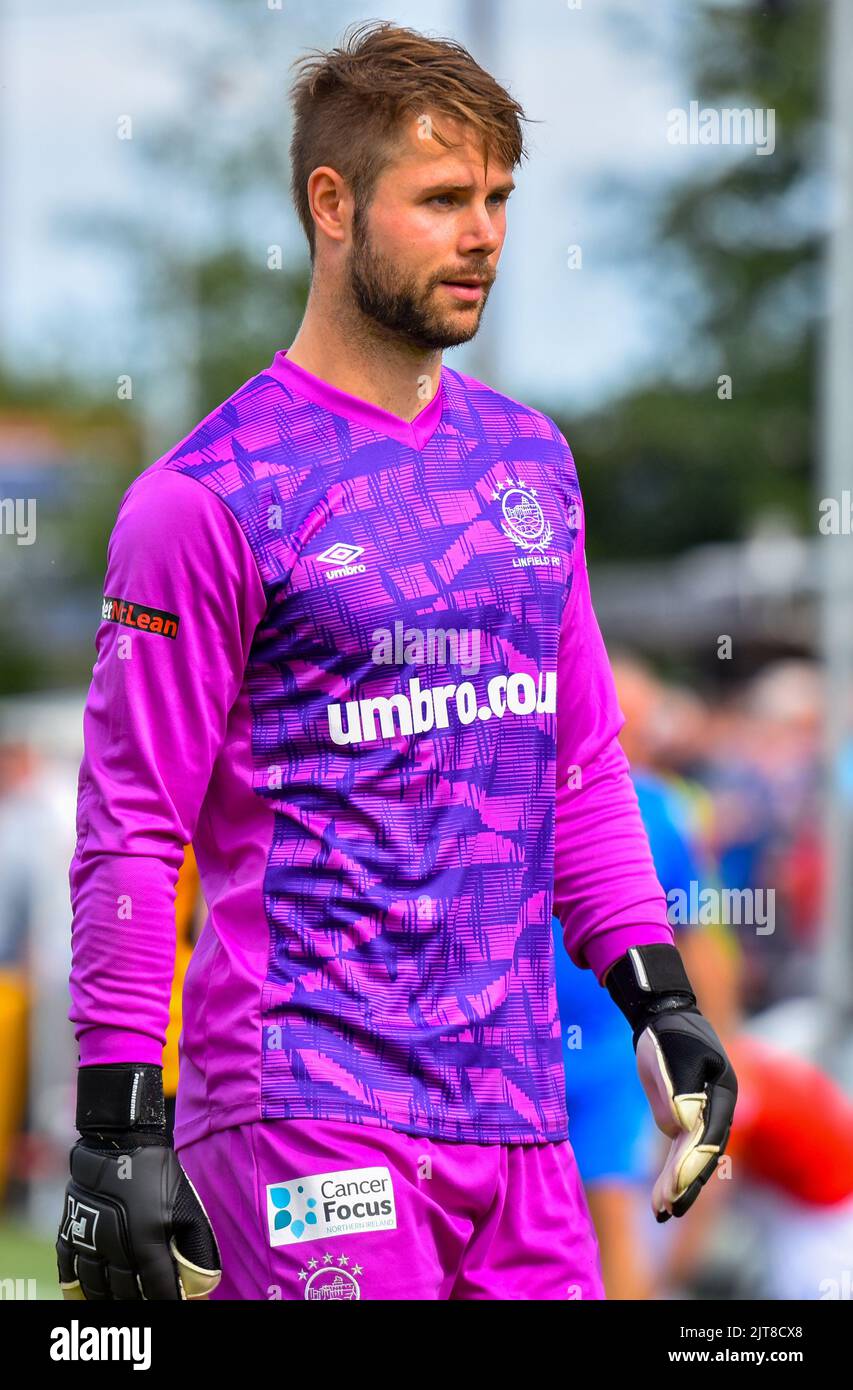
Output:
x=330 y=1204
x=330 y=1278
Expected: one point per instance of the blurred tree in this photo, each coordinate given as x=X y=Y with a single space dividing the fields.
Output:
x=66 y=456
x=212 y=297
x=733 y=257
x=220 y=275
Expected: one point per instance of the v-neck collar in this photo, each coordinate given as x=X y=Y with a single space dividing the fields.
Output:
x=416 y=433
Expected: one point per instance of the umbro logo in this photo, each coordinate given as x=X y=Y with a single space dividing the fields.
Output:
x=342 y=556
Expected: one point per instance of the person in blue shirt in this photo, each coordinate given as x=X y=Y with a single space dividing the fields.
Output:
x=610 y=1126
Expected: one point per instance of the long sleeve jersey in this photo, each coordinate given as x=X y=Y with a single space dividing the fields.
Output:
x=354 y=661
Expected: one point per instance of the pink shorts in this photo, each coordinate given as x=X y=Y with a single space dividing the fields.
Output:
x=321 y=1209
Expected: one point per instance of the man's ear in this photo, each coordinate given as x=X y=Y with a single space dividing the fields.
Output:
x=331 y=202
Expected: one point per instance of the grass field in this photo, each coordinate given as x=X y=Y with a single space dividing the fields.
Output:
x=26 y=1257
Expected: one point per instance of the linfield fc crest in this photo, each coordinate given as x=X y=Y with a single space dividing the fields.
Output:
x=331 y=1278
x=523 y=520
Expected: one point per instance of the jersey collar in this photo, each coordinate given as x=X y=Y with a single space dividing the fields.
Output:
x=416 y=433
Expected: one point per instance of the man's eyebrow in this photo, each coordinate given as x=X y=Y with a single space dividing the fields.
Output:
x=464 y=188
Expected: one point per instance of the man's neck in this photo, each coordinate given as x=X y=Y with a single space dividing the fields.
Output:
x=372 y=366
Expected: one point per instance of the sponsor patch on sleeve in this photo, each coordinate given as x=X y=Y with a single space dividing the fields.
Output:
x=140 y=616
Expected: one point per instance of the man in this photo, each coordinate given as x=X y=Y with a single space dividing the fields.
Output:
x=329 y=658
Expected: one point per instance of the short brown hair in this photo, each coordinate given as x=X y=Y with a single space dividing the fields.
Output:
x=348 y=105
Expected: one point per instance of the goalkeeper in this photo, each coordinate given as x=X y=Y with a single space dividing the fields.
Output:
x=348 y=651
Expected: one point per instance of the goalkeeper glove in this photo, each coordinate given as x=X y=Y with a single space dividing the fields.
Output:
x=685 y=1072
x=133 y=1225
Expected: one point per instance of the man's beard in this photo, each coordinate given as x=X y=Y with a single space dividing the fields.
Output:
x=399 y=305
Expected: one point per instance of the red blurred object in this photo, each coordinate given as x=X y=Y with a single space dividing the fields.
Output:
x=801 y=879
x=793 y=1126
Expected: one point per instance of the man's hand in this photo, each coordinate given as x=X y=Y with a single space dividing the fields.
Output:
x=133 y=1225
x=685 y=1072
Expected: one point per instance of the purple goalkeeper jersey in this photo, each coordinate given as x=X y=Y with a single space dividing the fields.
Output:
x=354 y=661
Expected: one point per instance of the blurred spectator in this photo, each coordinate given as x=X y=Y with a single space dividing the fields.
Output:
x=37 y=827
x=765 y=776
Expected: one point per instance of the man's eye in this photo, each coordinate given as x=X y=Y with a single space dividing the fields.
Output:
x=450 y=197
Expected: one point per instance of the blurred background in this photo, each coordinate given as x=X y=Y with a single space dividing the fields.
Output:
x=676 y=291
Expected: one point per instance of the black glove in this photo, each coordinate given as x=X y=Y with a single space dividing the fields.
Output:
x=133 y=1225
x=685 y=1072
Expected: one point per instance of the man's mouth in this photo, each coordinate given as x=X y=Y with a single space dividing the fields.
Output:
x=467 y=287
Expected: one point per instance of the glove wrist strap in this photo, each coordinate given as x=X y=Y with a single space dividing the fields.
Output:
x=647 y=981
x=121 y=1098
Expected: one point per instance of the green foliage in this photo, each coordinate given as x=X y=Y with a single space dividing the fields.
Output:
x=736 y=266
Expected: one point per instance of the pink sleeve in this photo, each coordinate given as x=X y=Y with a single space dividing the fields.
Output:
x=182 y=599
x=606 y=893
